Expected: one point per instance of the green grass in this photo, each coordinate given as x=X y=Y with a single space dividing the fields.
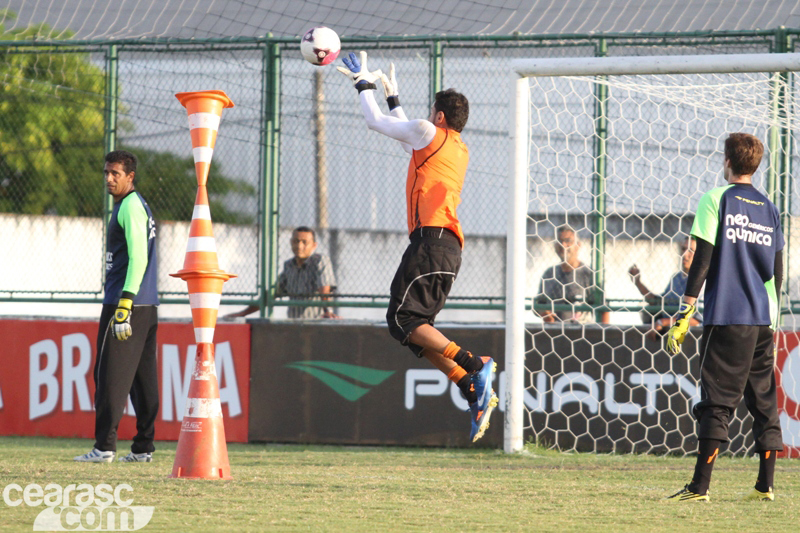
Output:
x=328 y=488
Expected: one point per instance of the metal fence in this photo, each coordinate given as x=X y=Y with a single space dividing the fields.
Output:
x=294 y=151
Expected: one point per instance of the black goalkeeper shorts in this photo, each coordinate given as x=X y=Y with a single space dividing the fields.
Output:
x=736 y=362
x=423 y=280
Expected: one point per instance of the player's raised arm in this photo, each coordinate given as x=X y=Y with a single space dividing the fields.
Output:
x=391 y=91
x=414 y=134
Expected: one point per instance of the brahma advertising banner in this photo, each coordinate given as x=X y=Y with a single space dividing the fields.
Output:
x=47 y=388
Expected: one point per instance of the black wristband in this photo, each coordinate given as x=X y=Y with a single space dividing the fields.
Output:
x=365 y=85
x=393 y=101
x=129 y=295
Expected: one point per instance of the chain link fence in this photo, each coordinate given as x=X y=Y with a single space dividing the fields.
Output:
x=294 y=151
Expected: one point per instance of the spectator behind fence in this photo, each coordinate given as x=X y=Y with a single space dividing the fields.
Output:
x=569 y=282
x=672 y=294
x=306 y=276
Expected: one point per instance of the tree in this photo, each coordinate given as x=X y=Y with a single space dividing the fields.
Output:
x=51 y=128
x=52 y=106
x=169 y=183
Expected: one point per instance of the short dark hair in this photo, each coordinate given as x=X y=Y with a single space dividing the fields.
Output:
x=744 y=152
x=565 y=228
x=306 y=229
x=127 y=159
x=455 y=107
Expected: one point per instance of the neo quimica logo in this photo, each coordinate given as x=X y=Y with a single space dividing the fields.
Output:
x=81 y=507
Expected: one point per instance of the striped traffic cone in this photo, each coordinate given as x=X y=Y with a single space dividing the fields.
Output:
x=202 y=452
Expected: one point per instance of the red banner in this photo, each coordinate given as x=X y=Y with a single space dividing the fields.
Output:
x=787 y=375
x=47 y=387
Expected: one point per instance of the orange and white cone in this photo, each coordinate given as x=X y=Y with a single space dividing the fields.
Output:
x=202 y=452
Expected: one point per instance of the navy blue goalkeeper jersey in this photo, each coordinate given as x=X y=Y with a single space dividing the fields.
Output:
x=745 y=229
x=131 y=263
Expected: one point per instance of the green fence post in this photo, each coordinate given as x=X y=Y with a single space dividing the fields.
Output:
x=778 y=180
x=110 y=134
x=599 y=182
x=437 y=67
x=270 y=147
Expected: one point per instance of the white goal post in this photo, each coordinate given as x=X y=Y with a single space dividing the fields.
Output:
x=532 y=143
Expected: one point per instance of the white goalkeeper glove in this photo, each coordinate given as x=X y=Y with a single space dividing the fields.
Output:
x=358 y=72
x=121 y=325
x=677 y=332
x=389 y=82
x=390 y=88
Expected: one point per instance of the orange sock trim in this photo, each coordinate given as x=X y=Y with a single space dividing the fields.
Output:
x=456 y=374
x=451 y=350
x=766 y=455
x=713 y=456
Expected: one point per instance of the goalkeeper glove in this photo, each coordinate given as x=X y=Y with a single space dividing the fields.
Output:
x=357 y=71
x=390 y=88
x=121 y=326
x=677 y=332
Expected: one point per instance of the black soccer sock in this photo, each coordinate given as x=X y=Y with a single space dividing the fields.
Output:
x=766 y=470
x=707 y=451
x=468 y=362
x=467 y=389
x=463 y=358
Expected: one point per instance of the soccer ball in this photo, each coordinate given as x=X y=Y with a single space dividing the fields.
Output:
x=320 y=46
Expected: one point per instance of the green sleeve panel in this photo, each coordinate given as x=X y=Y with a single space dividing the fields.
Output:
x=706 y=220
x=774 y=304
x=133 y=219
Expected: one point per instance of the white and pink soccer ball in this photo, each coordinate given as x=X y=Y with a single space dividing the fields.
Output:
x=320 y=46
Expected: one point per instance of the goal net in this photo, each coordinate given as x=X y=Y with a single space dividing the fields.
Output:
x=611 y=156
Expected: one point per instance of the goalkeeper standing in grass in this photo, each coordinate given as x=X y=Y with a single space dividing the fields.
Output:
x=739 y=256
x=126 y=338
x=431 y=262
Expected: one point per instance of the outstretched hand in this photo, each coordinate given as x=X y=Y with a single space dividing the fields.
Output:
x=357 y=71
x=390 y=83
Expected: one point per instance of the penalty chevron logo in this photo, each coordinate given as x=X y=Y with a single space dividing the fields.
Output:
x=346 y=380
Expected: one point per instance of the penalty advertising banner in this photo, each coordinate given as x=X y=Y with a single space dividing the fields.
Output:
x=600 y=388
x=47 y=386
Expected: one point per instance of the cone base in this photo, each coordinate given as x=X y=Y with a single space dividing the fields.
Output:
x=180 y=474
x=202 y=451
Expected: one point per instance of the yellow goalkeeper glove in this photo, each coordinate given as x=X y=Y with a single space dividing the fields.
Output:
x=121 y=326
x=677 y=332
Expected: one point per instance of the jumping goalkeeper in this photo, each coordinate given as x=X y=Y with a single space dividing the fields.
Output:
x=431 y=262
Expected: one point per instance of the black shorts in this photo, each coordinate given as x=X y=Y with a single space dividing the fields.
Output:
x=738 y=361
x=423 y=280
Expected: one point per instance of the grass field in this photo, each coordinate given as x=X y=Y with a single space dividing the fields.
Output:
x=327 y=488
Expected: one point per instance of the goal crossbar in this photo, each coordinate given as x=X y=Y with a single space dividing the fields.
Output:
x=642 y=65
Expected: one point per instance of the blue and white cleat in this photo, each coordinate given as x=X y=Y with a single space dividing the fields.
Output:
x=481 y=410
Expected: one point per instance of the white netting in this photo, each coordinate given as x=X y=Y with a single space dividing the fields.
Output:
x=623 y=161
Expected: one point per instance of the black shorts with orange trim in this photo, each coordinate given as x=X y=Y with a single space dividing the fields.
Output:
x=737 y=361
x=422 y=282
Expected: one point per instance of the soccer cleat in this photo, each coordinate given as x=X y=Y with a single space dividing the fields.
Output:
x=136 y=458
x=481 y=410
x=757 y=495
x=685 y=495
x=95 y=456
x=480 y=417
